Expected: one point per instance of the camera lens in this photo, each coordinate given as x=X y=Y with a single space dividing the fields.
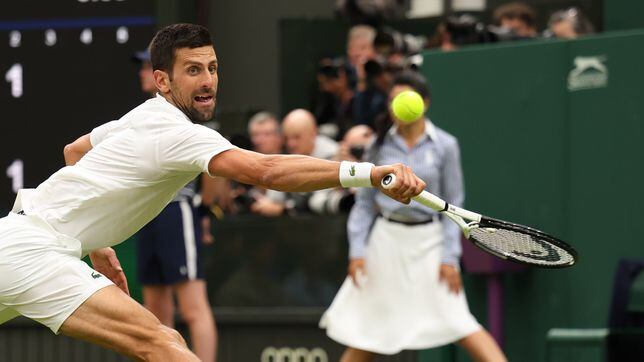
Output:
x=357 y=151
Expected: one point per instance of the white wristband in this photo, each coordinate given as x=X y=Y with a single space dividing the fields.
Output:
x=355 y=174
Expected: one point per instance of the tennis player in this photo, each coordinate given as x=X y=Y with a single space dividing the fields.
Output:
x=404 y=288
x=119 y=177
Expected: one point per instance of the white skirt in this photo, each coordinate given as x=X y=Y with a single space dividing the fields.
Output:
x=401 y=303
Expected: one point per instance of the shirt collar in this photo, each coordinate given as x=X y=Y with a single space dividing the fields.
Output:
x=430 y=130
x=161 y=100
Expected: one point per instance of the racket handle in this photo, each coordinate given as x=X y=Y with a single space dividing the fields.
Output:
x=426 y=198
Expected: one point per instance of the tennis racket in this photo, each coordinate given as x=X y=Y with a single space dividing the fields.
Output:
x=503 y=239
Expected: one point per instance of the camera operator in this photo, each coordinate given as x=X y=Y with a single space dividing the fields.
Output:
x=512 y=23
x=515 y=21
x=395 y=52
x=333 y=108
x=360 y=49
x=457 y=31
x=398 y=48
x=352 y=148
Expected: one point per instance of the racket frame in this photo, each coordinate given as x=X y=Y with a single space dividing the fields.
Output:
x=461 y=217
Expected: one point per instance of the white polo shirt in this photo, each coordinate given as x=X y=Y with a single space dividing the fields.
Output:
x=136 y=166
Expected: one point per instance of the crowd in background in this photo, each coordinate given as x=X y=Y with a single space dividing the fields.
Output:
x=350 y=103
x=348 y=113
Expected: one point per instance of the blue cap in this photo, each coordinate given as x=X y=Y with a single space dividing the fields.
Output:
x=141 y=56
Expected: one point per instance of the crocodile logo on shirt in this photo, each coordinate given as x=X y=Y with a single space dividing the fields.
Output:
x=352 y=170
x=96 y=275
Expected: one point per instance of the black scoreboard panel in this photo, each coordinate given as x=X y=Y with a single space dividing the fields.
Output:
x=65 y=68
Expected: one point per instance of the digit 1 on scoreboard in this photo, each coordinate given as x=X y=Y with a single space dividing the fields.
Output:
x=15 y=172
x=14 y=76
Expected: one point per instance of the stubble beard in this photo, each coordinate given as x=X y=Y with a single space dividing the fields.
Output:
x=193 y=113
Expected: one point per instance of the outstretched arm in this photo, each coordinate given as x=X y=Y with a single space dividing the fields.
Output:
x=74 y=151
x=296 y=173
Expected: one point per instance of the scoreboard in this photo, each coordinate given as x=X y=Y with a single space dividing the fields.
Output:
x=65 y=68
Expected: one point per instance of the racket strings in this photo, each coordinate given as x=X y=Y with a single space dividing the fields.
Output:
x=522 y=246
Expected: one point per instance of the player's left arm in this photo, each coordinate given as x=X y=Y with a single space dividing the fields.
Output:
x=74 y=151
x=104 y=261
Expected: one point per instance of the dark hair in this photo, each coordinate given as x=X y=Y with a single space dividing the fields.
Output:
x=173 y=37
x=409 y=78
x=414 y=80
x=515 y=10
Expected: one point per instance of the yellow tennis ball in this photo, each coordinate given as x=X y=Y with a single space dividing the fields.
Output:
x=408 y=106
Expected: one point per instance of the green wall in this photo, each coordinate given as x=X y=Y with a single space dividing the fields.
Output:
x=623 y=14
x=568 y=162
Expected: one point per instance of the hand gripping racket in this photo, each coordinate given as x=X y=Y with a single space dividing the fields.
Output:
x=503 y=239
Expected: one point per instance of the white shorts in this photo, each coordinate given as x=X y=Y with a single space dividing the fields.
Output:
x=41 y=274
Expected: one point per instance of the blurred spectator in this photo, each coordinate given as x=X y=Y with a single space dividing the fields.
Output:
x=354 y=143
x=568 y=24
x=516 y=20
x=266 y=137
x=352 y=148
x=146 y=75
x=442 y=39
x=302 y=138
x=395 y=52
x=269 y=203
x=334 y=106
x=301 y=135
x=460 y=30
x=372 y=102
x=229 y=197
x=396 y=46
x=265 y=134
x=360 y=49
x=371 y=12
x=340 y=80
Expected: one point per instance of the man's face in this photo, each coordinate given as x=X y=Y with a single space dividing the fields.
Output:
x=266 y=137
x=299 y=141
x=192 y=86
x=359 y=50
x=564 y=29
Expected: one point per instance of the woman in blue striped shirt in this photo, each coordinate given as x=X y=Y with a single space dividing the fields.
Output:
x=404 y=288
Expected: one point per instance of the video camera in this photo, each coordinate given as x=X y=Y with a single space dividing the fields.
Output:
x=466 y=29
x=390 y=41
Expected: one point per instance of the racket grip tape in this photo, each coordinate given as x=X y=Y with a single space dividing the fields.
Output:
x=428 y=199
